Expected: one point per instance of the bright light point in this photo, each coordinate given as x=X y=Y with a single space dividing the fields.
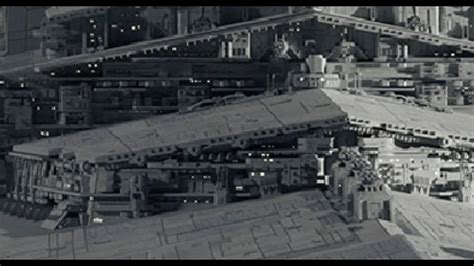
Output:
x=262 y=173
x=174 y=48
x=134 y=28
x=98 y=220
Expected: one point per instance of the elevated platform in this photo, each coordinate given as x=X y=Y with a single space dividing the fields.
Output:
x=235 y=124
x=384 y=112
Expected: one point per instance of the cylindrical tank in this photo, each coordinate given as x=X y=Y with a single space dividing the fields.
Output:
x=399 y=15
x=316 y=63
x=433 y=19
x=470 y=23
x=443 y=23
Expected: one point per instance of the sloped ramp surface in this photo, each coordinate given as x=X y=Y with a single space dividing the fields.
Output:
x=260 y=113
x=438 y=229
x=378 y=110
x=290 y=226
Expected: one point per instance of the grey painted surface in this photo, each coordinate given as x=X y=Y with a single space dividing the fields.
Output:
x=300 y=225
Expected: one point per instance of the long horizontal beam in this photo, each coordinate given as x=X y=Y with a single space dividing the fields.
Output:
x=393 y=30
x=39 y=64
x=43 y=64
